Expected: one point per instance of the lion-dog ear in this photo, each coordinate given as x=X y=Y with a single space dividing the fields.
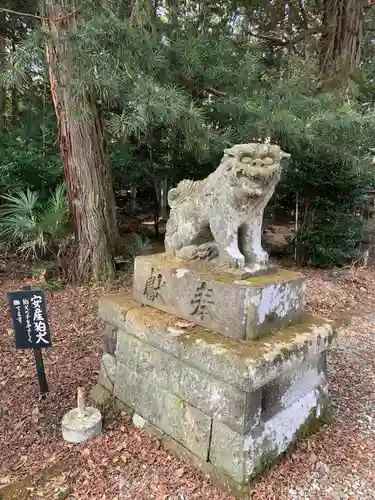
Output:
x=229 y=152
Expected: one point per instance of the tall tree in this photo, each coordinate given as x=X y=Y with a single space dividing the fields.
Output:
x=2 y=89
x=82 y=149
x=340 y=50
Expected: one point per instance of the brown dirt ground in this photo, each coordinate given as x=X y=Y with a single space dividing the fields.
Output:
x=126 y=464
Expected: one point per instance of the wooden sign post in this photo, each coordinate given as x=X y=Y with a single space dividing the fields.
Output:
x=30 y=325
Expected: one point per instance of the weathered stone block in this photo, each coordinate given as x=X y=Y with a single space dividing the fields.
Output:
x=218 y=299
x=236 y=408
x=110 y=340
x=238 y=404
x=186 y=424
x=283 y=391
x=107 y=372
x=231 y=452
x=161 y=367
x=244 y=456
x=154 y=327
x=113 y=308
x=245 y=365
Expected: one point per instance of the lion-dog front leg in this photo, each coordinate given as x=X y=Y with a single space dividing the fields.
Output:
x=226 y=237
x=250 y=242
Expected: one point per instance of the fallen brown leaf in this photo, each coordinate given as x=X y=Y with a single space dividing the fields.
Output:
x=179 y=473
x=184 y=324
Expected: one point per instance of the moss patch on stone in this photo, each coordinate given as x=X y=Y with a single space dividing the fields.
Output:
x=314 y=423
x=284 y=342
x=281 y=276
x=270 y=279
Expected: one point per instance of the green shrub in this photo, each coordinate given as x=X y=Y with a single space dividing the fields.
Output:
x=33 y=228
x=137 y=244
x=330 y=239
x=26 y=163
x=329 y=183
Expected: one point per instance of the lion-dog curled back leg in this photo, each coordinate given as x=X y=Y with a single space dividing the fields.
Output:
x=184 y=234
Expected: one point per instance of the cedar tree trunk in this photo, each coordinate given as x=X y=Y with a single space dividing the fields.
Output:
x=341 y=39
x=2 y=89
x=83 y=152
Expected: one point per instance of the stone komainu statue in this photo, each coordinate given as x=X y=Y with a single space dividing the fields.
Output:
x=221 y=216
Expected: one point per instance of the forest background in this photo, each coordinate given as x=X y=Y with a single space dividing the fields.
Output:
x=97 y=97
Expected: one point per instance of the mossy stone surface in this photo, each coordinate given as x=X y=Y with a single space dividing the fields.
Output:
x=195 y=386
x=247 y=365
x=186 y=424
x=219 y=299
x=244 y=457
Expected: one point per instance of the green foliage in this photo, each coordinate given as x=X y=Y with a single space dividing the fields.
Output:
x=328 y=175
x=24 y=164
x=137 y=244
x=35 y=229
x=176 y=88
x=330 y=239
x=29 y=153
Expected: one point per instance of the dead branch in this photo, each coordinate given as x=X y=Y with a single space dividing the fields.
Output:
x=291 y=41
x=34 y=16
x=212 y=90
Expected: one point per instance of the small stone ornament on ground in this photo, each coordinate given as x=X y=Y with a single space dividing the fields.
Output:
x=82 y=423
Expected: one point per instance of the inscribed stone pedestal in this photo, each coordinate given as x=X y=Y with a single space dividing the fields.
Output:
x=217 y=298
x=213 y=353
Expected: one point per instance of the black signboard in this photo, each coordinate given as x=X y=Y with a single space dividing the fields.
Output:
x=30 y=324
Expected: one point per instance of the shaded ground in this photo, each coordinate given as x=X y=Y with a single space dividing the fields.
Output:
x=125 y=464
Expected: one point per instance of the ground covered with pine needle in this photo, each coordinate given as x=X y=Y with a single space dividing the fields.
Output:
x=336 y=463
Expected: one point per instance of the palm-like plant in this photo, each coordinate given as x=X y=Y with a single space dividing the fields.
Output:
x=137 y=244
x=36 y=230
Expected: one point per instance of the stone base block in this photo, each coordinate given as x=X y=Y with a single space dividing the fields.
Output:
x=242 y=457
x=232 y=405
x=217 y=476
x=107 y=371
x=174 y=416
x=219 y=299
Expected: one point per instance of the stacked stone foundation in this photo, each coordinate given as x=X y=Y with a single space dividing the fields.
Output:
x=230 y=406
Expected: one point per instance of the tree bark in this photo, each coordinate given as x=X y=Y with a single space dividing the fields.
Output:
x=2 y=89
x=341 y=38
x=83 y=152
